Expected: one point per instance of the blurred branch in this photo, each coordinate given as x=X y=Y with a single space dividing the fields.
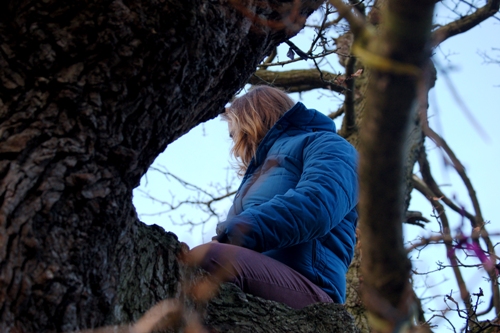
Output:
x=356 y=22
x=390 y=102
x=489 y=59
x=416 y=218
x=477 y=221
x=359 y=5
x=338 y=113
x=153 y=320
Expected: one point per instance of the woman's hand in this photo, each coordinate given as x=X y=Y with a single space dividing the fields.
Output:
x=184 y=250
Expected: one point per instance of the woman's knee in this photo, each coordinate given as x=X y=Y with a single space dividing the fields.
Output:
x=203 y=255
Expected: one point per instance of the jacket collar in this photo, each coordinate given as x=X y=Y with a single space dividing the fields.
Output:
x=298 y=117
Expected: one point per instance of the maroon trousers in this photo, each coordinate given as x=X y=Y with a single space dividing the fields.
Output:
x=257 y=274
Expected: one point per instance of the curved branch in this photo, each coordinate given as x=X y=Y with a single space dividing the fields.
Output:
x=465 y=23
x=356 y=21
x=338 y=113
x=478 y=221
x=299 y=80
x=311 y=56
x=425 y=170
x=478 y=224
x=420 y=186
x=271 y=57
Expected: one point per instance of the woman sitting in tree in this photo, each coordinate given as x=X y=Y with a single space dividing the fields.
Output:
x=290 y=234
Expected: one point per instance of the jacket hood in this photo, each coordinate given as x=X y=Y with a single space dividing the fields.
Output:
x=308 y=119
x=298 y=117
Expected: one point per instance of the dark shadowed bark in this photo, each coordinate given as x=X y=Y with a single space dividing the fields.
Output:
x=249 y=314
x=91 y=92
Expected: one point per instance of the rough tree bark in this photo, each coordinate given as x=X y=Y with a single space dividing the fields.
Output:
x=91 y=92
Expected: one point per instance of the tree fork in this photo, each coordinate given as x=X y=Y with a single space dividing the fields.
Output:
x=90 y=93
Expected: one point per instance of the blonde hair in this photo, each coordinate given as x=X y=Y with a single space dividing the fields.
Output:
x=252 y=116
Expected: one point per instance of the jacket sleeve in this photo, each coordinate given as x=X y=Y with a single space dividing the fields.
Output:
x=326 y=192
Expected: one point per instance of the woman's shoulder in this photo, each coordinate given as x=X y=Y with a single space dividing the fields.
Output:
x=305 y=145
x=320 y=139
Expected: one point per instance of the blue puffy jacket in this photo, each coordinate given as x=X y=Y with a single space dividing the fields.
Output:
x=297 y=200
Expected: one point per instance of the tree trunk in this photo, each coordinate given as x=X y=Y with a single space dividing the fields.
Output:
x=245 y=313
x=391 y=107
x=411 y=141
x=91 y=92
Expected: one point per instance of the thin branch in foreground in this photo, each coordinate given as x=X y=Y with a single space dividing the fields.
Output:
x=356 y=23
x=467 y=112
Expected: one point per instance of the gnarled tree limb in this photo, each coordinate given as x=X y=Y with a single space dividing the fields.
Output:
x=298 y=80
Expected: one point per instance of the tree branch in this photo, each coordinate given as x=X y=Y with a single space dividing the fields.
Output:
x=477 y=221
x=446 y=237
x=425 y=170
x=349 y=112
x=465 y=23
x=310 y=56
x=298 y=80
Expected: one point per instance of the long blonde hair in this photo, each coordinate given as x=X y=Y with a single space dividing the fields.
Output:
x=252 y=116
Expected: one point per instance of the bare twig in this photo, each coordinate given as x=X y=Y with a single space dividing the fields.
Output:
x=447 y=238
x=204 y=199
x=286 y=62
x=477 y=222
